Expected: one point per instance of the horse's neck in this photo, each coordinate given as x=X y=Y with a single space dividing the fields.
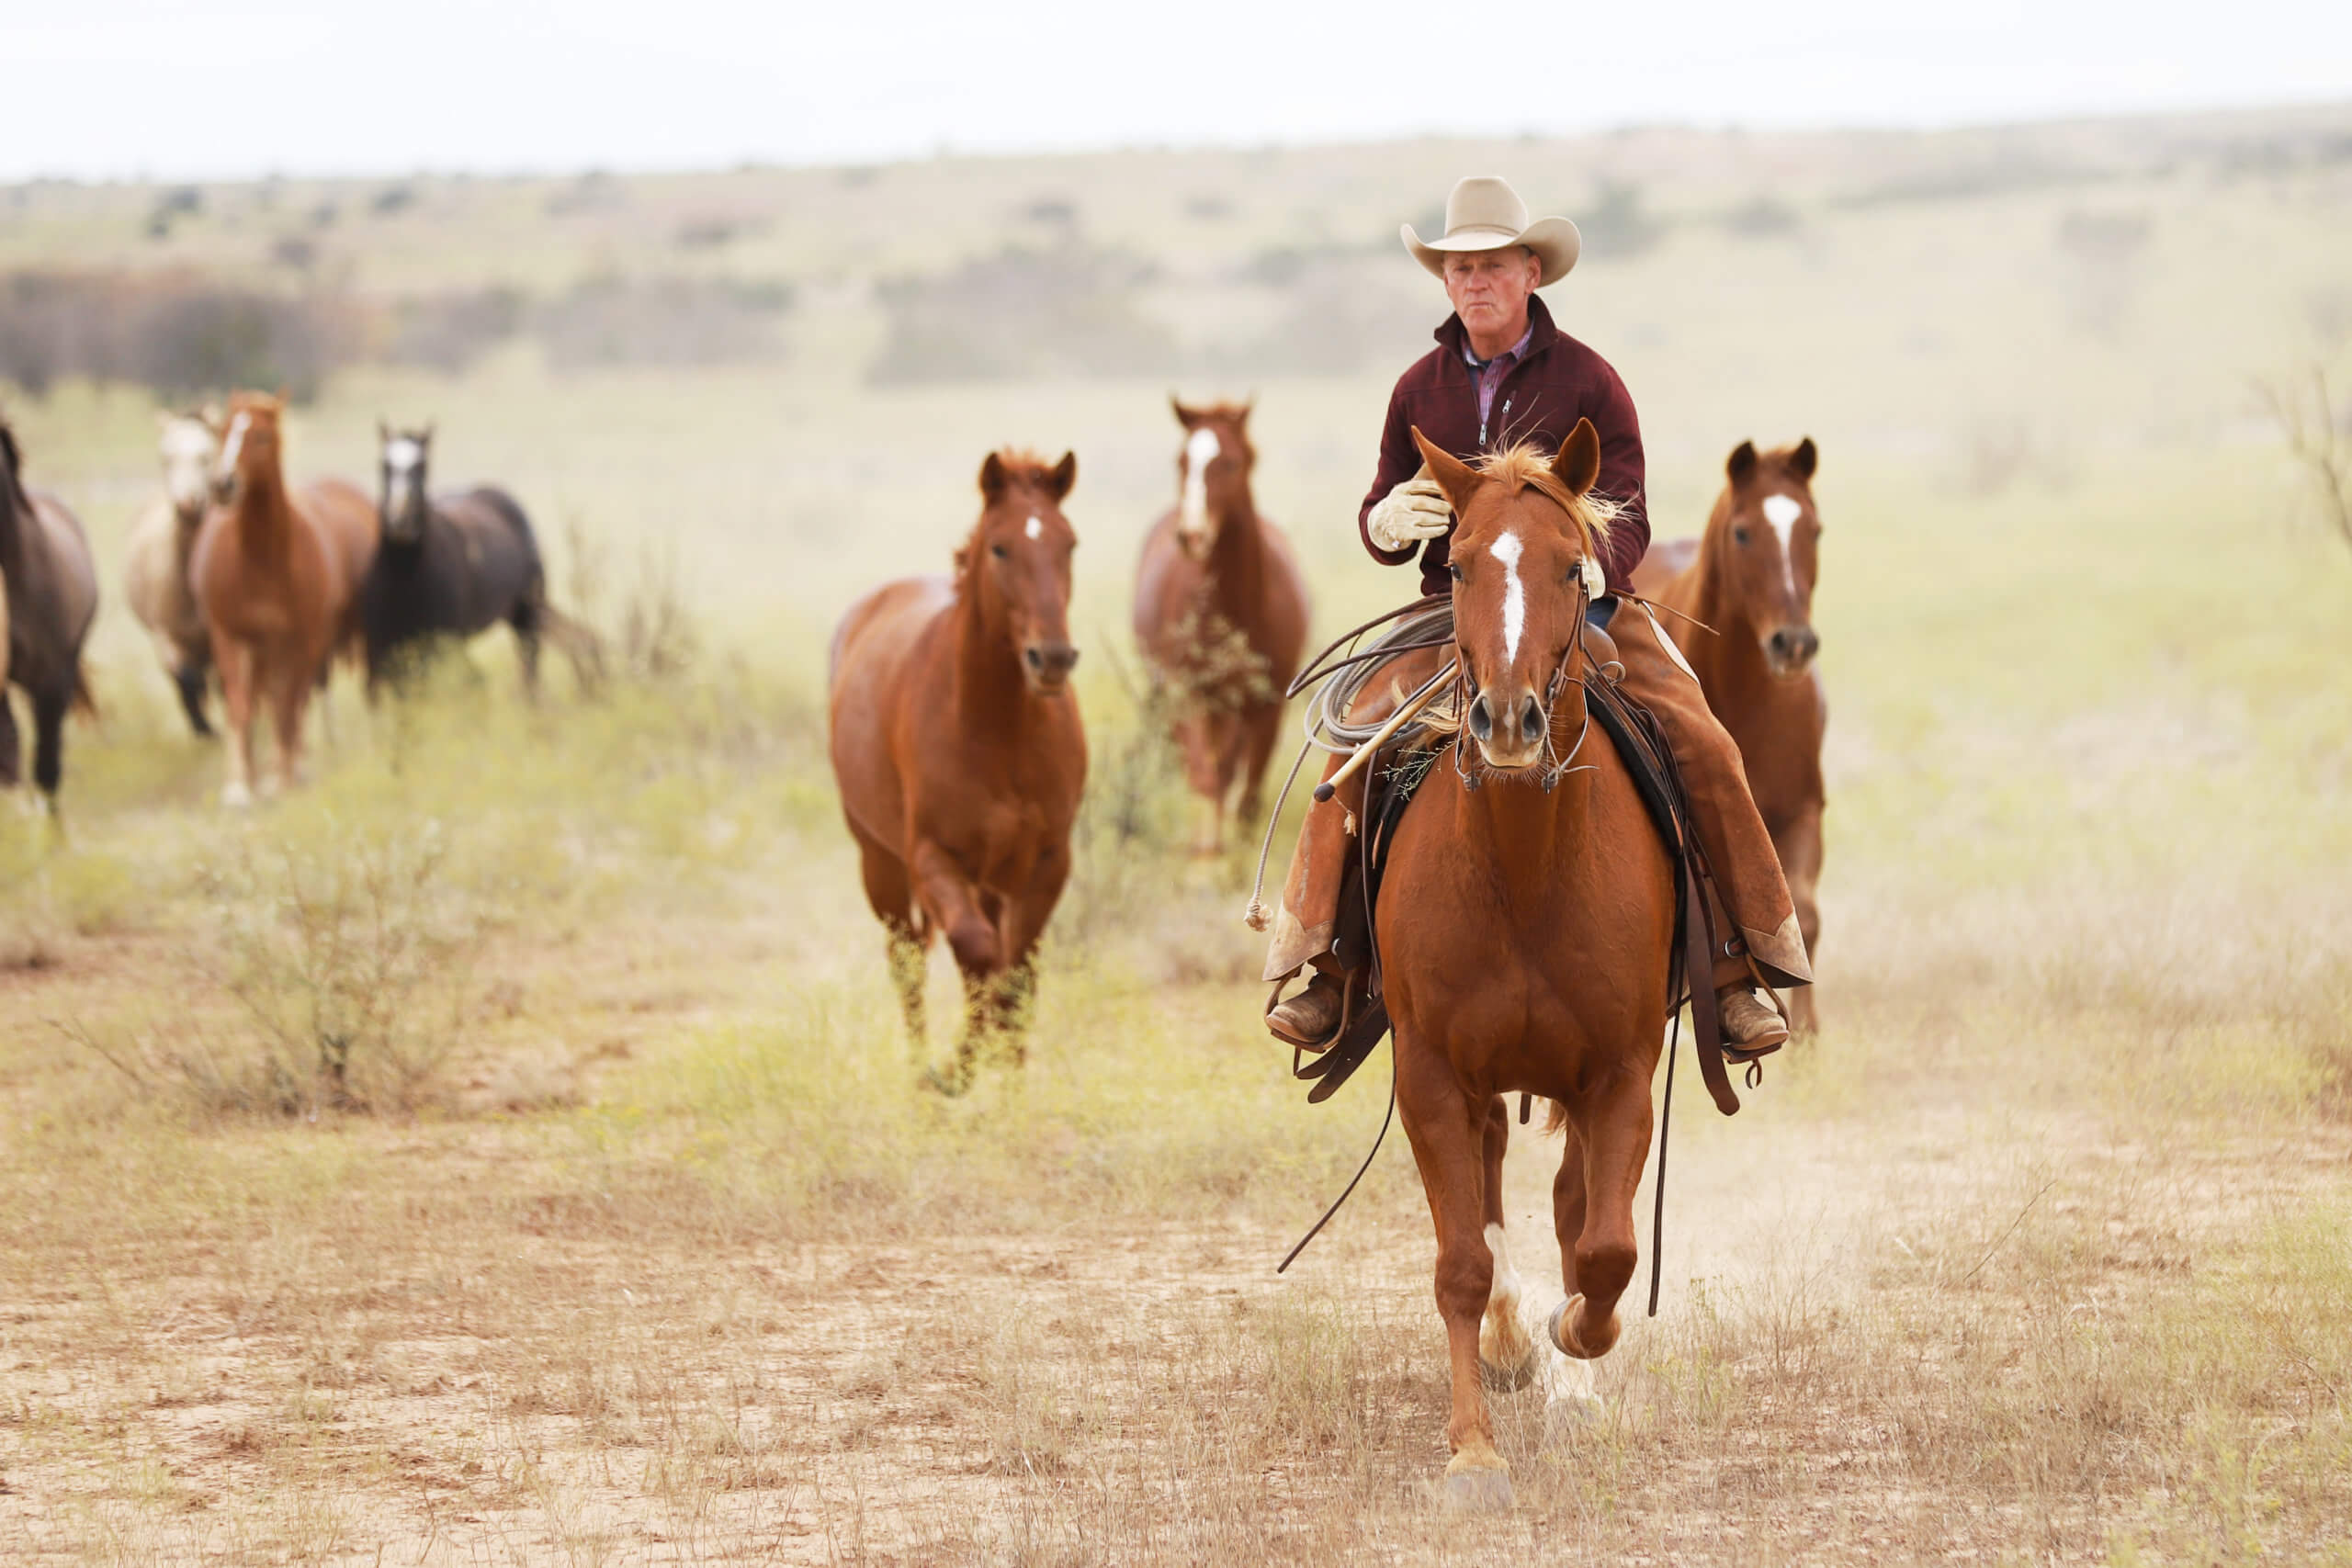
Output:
x=264 y=512
x=991 y=695
x=1729 y=653
x=1237 y=561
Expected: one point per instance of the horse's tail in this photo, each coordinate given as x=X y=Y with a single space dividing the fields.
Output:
x=579 y=642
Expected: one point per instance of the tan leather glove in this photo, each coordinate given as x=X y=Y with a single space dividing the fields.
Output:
x=1414 y=510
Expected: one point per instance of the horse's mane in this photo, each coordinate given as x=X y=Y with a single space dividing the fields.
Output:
x=12 y=498
x=1525 y=466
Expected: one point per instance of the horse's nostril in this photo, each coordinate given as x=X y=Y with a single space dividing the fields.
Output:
x=1482 y=719
x=1530 y=720
x=1035 y=656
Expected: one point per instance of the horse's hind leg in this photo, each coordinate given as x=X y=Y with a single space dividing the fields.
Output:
x=11 y=756
x=48 y=743
x=526 y=622
x=189 y=679
x=1594 y=1214
x=1799 y=846
x=1448 y=1132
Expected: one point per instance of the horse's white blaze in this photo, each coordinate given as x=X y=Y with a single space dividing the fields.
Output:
x=402 y=455
x=235 y=444
x=1508 y=550
x=1036 y=525
x=1201 y=449
x=1782 y=512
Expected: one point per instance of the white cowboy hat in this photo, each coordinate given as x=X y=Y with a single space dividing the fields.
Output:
x=1484 y=214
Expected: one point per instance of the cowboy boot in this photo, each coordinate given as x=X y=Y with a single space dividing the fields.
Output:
x=1751 y=1027
x=1312 y=1019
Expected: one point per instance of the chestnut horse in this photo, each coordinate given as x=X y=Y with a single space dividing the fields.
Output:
x=49 y=596
x=960 y=756
x=1749 y=579
x=276 y=572
x=1221 y=614
x=1525 y=931
x=154 y=567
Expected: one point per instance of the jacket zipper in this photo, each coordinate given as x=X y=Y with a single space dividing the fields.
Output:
x=1482 y=424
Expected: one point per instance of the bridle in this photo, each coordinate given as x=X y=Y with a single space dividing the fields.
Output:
x=1467 y=693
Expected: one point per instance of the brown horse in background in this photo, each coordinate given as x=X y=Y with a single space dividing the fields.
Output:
x=49 y=596
x=1221 y=613
x=959 y=754
x=1749 y=579
x=1525 y=929
x=276 y=572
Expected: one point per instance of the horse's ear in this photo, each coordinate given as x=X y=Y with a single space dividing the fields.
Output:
x=215 y=418
x=383 y=432
x=1742 y=463
x=1064 y=475
x=1804 y=459
x=1457 y=478
x=1249 y=405
x=1189 y=418
x=427 y=436
x=992 y=477
x=1578 y=462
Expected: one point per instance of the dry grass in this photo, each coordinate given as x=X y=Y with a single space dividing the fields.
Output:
x=608 y=1227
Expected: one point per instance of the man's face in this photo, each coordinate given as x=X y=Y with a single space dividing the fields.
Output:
x=1489 y=288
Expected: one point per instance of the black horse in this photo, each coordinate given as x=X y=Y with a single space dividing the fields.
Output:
x=51 y=597
x=451 y=565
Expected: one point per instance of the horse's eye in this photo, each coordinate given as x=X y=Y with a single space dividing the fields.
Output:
x=999 y=551
x=1739 y=535
x=1455 y=569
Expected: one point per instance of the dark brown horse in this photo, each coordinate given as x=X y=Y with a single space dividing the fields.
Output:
x=959 y=754
x=1749 y=579
x=277 y=572
x=1526 y=933
x=49 y=595
x=1221 y=613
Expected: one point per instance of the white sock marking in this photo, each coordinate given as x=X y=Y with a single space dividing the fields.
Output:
x=1508 y=550
x=1036 y=527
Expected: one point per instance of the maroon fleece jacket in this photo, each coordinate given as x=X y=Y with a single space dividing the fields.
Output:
x=1540 y=401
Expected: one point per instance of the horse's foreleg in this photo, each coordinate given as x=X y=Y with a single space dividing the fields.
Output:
x=949 y=897
x=1597 y=1258
x=892 y=899
x=1447 y=1133
x=1262 y=729
x=189 y=678
x=48 y=743
x=1023 y=924
x=1799 y=847
x=11 y=757
x=526 y=622
x=288 y=700
x=1506 y=1352
x=236 y=662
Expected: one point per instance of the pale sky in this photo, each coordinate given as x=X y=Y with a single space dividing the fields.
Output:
x=132 y=88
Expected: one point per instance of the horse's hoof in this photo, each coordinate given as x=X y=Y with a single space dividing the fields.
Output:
x=236 y=796
x=943 y=1085
x=1478 y=1489
x=1563 y=1335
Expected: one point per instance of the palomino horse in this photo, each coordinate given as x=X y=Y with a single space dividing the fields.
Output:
x=276 y=571
x=959 y=754
x=454 y=564
x=154 y=567
x=1221 y=613
x=1749 y=577
x=1525 y=931
x=51 y=589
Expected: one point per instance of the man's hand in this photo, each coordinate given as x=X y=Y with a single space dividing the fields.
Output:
x=1414 y=510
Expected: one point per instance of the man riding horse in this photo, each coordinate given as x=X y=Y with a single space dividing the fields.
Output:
x=1502 y=374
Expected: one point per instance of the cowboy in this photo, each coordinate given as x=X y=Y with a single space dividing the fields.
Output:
x=1503 y=374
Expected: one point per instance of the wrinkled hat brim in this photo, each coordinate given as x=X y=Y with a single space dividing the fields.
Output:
x=1554 y=241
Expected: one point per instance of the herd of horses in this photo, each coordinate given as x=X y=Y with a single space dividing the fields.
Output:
x=248 y=583
x=1526 y=935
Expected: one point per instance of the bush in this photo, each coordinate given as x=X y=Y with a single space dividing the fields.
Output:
x=1021 y=314
x=663 y=321
x=176 y=333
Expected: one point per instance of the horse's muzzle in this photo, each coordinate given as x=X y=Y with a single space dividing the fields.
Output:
x=1518 y=742
x=1789 y=650
x=1046 y=665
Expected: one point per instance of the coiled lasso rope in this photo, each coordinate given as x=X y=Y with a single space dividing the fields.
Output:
x=1339 y=675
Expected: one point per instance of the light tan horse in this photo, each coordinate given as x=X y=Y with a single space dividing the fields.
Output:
x=154 y=567
x=277 y=572
x=1526 y=930
x=1748 y=580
